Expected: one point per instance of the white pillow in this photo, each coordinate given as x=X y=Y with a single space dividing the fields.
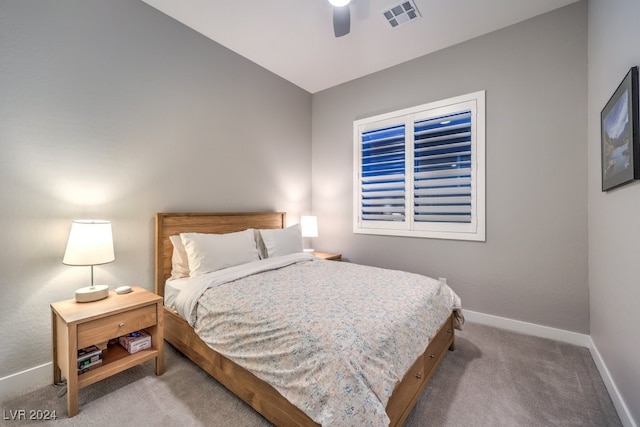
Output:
x=212 y=252
x=282 y=241
x=179 y=260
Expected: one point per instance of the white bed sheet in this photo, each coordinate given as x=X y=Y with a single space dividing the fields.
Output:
x=172 y=288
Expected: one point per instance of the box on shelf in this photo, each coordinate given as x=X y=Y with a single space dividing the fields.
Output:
x=89 y=357
x=135 y=341
x=91 y=365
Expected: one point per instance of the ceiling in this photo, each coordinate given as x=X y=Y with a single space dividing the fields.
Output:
x=294 y=38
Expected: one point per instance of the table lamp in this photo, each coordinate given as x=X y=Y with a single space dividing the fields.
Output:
x=90 y=243
x=309 y=226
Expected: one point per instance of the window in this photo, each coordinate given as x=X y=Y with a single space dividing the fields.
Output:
x=419 y=172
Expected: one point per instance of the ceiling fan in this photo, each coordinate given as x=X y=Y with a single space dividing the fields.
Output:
x=341 y=17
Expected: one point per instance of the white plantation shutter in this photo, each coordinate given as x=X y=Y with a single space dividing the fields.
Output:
x=382 y=175
x=420 y=171
x=442 y=169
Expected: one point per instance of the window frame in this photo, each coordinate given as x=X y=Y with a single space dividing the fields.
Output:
x=472 y=231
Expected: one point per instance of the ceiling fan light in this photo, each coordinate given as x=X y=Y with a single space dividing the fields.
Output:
x=339 y=3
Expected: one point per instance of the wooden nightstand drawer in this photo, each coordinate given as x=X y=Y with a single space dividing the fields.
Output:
x=102 y=330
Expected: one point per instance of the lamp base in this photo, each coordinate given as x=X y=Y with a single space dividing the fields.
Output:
x=92 y=293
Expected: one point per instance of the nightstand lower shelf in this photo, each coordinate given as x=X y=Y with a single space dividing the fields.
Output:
x=115 y=353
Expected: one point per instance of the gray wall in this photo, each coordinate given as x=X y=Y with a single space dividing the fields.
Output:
x=533 y=266
x=110 y=109
x=614 y=233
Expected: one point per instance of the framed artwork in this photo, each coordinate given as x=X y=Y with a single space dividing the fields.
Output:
x=620 y=137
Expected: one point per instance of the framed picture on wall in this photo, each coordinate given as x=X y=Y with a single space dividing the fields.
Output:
x=620 y=137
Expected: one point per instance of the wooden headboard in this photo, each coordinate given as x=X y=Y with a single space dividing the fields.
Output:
x=170 y=224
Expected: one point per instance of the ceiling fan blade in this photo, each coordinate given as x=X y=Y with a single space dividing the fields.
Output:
x=341 y=21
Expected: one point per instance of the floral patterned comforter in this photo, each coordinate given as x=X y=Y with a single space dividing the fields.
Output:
x=334 y=338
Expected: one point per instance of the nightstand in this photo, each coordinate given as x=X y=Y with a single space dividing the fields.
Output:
x=79 y=325
x=327 y=255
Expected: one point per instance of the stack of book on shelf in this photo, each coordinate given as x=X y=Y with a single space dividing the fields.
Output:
x=88 y=358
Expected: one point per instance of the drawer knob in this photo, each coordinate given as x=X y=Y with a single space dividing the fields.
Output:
x=121 y=324
x=433 y=356
x=419 y=376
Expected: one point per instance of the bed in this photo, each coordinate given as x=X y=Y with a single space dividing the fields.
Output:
x=260 y=395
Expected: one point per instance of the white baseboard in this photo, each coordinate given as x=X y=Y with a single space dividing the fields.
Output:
x=526 y=328
x=19 y=382
x=616 y=397
x=569 y=337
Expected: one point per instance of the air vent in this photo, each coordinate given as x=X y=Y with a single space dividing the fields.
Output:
x=401 y=14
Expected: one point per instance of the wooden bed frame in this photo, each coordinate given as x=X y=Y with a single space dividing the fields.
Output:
x=259 y=395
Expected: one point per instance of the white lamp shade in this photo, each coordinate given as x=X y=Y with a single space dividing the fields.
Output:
x=339 y=3
x=309 y=225
x=90 y=243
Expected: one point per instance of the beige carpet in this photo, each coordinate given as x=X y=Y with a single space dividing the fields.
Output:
x=494 y=378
